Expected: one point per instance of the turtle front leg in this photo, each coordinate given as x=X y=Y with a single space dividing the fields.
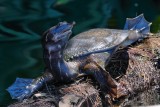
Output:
x=24 y=88
x=106 y=82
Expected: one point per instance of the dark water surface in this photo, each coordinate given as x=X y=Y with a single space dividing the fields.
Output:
x=22 y=23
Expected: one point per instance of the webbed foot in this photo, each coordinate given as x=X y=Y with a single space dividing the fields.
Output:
x=138 y=23
x=21 y=89
x=24 y=88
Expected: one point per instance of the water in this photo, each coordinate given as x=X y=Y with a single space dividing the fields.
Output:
x=22 y=23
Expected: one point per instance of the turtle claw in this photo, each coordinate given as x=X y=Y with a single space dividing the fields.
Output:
x=21 y=89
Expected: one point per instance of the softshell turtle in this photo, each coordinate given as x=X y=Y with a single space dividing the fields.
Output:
x=85 y=54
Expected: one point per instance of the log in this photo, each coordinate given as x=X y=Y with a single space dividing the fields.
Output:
x=137 y=67
x=71 y=95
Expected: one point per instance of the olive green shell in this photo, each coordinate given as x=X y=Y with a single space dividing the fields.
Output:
x=94 y=41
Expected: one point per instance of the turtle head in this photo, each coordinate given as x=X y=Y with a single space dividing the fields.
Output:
x=61 y=31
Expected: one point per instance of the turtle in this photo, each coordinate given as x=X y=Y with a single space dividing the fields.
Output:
x=84 y=54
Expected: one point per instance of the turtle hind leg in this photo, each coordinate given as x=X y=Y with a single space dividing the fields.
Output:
x=139 y=24
x=24 y=88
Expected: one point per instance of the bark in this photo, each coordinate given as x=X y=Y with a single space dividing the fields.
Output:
x=71 y=95
x=137 y=67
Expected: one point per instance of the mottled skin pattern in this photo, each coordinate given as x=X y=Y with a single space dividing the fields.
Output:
x=86 y=54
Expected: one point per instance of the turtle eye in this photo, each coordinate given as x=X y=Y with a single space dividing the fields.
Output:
x=59 y=24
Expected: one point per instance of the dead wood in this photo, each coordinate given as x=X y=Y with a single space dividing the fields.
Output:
x=137 y=67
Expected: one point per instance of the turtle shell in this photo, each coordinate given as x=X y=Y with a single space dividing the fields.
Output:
x=94 y=41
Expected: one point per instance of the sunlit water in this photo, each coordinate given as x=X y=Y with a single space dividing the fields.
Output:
x=22 y=23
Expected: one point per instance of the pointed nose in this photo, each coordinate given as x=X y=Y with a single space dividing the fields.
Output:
x=70 y=25
x=73 y=23
x=64 y=26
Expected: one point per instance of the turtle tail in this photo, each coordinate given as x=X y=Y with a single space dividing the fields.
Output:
x=139 y=24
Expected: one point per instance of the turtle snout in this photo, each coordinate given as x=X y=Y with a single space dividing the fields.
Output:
x=63 y=35
x=62 y=30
